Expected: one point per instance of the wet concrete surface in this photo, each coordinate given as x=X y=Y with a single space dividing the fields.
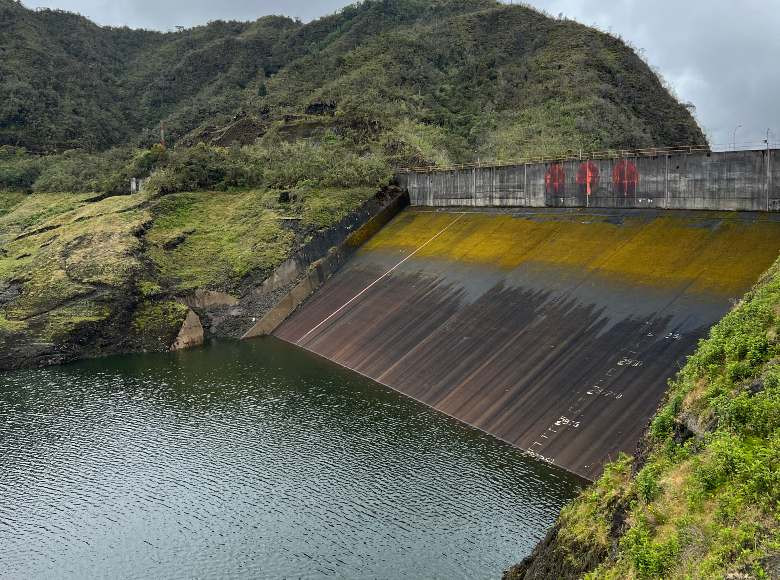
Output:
x=556 y=332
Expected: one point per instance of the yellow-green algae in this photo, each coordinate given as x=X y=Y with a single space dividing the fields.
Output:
x=670 y=251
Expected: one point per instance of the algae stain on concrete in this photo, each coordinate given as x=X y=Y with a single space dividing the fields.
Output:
x=553 y=330
x=716 y=252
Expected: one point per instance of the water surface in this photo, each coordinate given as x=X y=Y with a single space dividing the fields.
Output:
x=253 y=460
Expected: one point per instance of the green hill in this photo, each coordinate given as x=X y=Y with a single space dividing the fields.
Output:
x=295 y=125
x=423 y=79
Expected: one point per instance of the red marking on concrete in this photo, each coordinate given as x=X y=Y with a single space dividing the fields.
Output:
x=588 y=178
x=625 y=177
x=555 y=179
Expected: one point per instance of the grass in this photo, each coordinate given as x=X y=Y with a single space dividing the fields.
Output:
x=65 y=248
x=156 y=324
x=214 y=239
x=71 y=260
x=324 y=207
x=9 y=200
x=73 y=264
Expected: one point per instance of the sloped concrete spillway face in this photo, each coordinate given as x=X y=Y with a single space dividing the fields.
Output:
x=555 y=330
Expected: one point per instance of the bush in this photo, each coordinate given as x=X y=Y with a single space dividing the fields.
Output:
x=651 y=558
x=333 y=163
x=647 y=482
x=204 y=167
x=18 y=169
x=80 y=171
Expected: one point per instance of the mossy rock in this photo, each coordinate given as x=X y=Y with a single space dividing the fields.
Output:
x=155 y=325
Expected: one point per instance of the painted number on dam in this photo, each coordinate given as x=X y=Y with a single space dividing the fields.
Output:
x=555 y=179
x=625 y=178
x=588 y=178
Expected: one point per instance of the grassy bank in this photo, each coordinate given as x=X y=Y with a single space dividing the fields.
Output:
x=81 y=276
x=703 y=500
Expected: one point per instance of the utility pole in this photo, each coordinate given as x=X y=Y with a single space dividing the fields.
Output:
x=162 y=134
x=734 y=139
x=768 y=171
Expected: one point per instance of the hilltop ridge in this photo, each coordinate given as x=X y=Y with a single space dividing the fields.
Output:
x=451 y=79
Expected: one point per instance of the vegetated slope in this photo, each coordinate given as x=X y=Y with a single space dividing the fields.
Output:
x=84 y=277
x=426 y=79
x=702 y=499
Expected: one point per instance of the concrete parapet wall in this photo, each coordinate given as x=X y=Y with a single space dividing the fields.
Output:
x=732 y=180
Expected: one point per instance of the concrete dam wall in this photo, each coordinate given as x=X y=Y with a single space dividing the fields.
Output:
x=733 y=180
x=553 y=329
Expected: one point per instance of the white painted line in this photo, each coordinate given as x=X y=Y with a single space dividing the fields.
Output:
x=367 y=288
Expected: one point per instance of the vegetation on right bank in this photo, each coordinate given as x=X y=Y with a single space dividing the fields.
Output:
x=703 y=499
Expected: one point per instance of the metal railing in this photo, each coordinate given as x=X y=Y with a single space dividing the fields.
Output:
x=568 y=156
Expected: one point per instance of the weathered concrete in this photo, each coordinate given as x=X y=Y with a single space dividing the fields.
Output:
x=226 y=315
x=190 y=334
x=553 y=329
x=734 y=180
x=308 y=281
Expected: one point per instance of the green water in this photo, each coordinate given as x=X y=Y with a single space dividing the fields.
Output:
x=253 y=460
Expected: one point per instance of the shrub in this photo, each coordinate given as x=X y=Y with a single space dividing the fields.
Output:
x=18 y=169
x=651 y=558
x=204 y=167
x=333 y=163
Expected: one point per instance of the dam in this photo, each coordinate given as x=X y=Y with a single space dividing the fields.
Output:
x=551 y=321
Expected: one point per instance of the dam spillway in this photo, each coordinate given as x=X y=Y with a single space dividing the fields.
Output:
x=555 y=330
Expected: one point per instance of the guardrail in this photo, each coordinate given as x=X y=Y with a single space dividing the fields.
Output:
x=568 y=156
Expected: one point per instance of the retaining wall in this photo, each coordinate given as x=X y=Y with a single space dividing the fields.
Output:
x=733 y=180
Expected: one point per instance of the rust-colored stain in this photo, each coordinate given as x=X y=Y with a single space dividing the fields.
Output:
x=553 y=330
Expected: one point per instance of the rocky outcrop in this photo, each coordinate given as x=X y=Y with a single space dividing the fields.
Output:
x=191 y=333
x=226 y=316
x=550 y=559
x=78 y=281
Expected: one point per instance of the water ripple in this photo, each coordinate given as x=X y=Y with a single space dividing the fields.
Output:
x=255 y=461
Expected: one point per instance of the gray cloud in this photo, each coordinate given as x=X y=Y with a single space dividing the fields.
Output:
x=166 y=14
x=717 y=54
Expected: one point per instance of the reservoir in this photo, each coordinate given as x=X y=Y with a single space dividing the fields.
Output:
x=253 y=460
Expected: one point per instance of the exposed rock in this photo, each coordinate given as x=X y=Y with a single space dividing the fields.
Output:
x=550 y=560
x=209 y=298
x=9 y=291
x=771 y=565
x=756 y=386
x=191 y=333
x=694 y=425
x=321 y=108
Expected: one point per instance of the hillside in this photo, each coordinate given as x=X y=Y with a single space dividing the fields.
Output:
x=702 y=497
x=425 y=80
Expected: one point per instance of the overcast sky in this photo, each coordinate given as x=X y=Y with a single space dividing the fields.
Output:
x=720 y=55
